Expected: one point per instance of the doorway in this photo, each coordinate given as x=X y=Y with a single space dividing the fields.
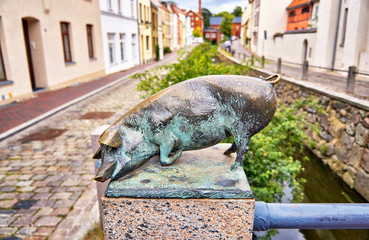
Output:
x=34 y=53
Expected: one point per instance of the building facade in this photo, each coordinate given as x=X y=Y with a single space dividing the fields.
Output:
x=145 y=30
x=48 y=45
x=120 y=34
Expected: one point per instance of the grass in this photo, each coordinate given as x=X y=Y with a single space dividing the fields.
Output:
x=96 y=233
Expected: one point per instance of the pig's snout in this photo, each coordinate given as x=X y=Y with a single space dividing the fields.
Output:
x=108 y=164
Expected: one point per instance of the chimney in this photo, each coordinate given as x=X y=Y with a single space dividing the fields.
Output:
x=200 y=7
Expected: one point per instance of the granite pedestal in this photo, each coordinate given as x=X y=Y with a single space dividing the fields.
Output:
x=197 y=197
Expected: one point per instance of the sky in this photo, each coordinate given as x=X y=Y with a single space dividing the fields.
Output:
x=215 y=6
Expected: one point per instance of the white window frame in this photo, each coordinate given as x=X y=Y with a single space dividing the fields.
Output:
x=122 y=46
x=111 y=48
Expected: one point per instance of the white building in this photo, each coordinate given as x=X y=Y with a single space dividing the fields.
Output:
x=119 y=34
x=337 y=35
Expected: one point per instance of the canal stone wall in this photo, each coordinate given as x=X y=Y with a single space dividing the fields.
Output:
x=343 y=141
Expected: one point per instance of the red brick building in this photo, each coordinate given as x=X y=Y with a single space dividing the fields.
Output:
x=213 y=35
x=236 y=27
x=299 y=13
x=197 y=20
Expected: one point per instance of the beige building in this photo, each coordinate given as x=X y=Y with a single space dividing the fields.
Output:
x=145 y=32
x=48 y=44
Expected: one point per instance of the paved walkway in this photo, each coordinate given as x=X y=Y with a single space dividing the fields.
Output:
x=333 y=80
x=46 y=186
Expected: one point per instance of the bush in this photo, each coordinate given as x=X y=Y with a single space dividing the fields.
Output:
x=270 y=164
x=199 y=62
x=167 y=50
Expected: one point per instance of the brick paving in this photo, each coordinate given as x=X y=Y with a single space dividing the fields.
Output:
x=46 y=186
x=20 y=112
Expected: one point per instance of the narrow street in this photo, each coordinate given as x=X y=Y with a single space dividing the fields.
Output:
x=333 y=80
x=46 y=171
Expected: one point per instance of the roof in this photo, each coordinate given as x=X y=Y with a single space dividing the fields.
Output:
x=237 y=20
x=211 y=30
x=198 y=15
x=216 y=20
x=164 y=8
x=298 y=3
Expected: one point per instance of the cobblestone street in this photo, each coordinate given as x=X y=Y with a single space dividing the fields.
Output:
x=46 y=186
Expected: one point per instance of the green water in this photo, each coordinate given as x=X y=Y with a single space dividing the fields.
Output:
x=323 y=186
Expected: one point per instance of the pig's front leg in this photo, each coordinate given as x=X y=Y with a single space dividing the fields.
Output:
x=170 y=150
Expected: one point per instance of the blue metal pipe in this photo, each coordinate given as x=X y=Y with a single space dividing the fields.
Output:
x=310 y=216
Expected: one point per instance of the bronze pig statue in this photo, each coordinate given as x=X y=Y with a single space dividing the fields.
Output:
x=193 y=114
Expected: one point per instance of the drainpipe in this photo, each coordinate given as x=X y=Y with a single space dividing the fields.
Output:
x=138 y=33
x=336 y=35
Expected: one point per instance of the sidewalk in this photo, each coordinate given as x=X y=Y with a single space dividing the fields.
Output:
x=47 y=189
x=17 y=113
x=332 y=80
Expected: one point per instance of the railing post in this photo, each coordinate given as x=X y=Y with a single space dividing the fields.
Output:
x=350 y=85
x=279 y=65
x=262 y=61
x=304 y=70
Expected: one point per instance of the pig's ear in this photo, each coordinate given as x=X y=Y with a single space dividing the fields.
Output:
x=111 y=138
x=97 y=154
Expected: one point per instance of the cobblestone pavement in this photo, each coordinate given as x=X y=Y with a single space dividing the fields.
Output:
x=334 y=80
x=46 y=186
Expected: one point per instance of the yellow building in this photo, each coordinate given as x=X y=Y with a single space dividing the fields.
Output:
x=155 y=31
x=167 y=29
x=47 y=45
x=145 y=30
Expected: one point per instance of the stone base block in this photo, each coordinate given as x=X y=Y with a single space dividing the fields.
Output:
x=196 y=197
x=136 y=218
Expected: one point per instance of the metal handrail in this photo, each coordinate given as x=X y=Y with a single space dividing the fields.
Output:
x=310 y=216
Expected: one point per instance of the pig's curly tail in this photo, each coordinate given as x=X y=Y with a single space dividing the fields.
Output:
x=274 y=82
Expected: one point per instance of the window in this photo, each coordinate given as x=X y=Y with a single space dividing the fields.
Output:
x=90 y=41
x=292 y=14
x=147 y=43
x=343 y=36
x=66 y=41
x=109 y=5
x=134 y=40
x=119 y=7
x=111 y=46
x=140 y=12
x=207 y=35
x=2 y=68
x=213 y=35
x=305 y=10
x=197 y=18
x=316 y=11
x=122 y=46
x=132 y=9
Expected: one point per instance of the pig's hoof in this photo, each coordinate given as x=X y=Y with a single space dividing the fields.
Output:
x=228 y=152
x=235 y=166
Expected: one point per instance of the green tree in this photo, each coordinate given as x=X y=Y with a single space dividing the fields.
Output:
x=226 y=25
x=237 y=11
x=206 y=14
x=197 y=32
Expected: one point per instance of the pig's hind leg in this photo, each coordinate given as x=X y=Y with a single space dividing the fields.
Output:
x=170 y=151
x=243 y=148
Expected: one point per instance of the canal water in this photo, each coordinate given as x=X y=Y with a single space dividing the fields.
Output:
x=323 y=186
